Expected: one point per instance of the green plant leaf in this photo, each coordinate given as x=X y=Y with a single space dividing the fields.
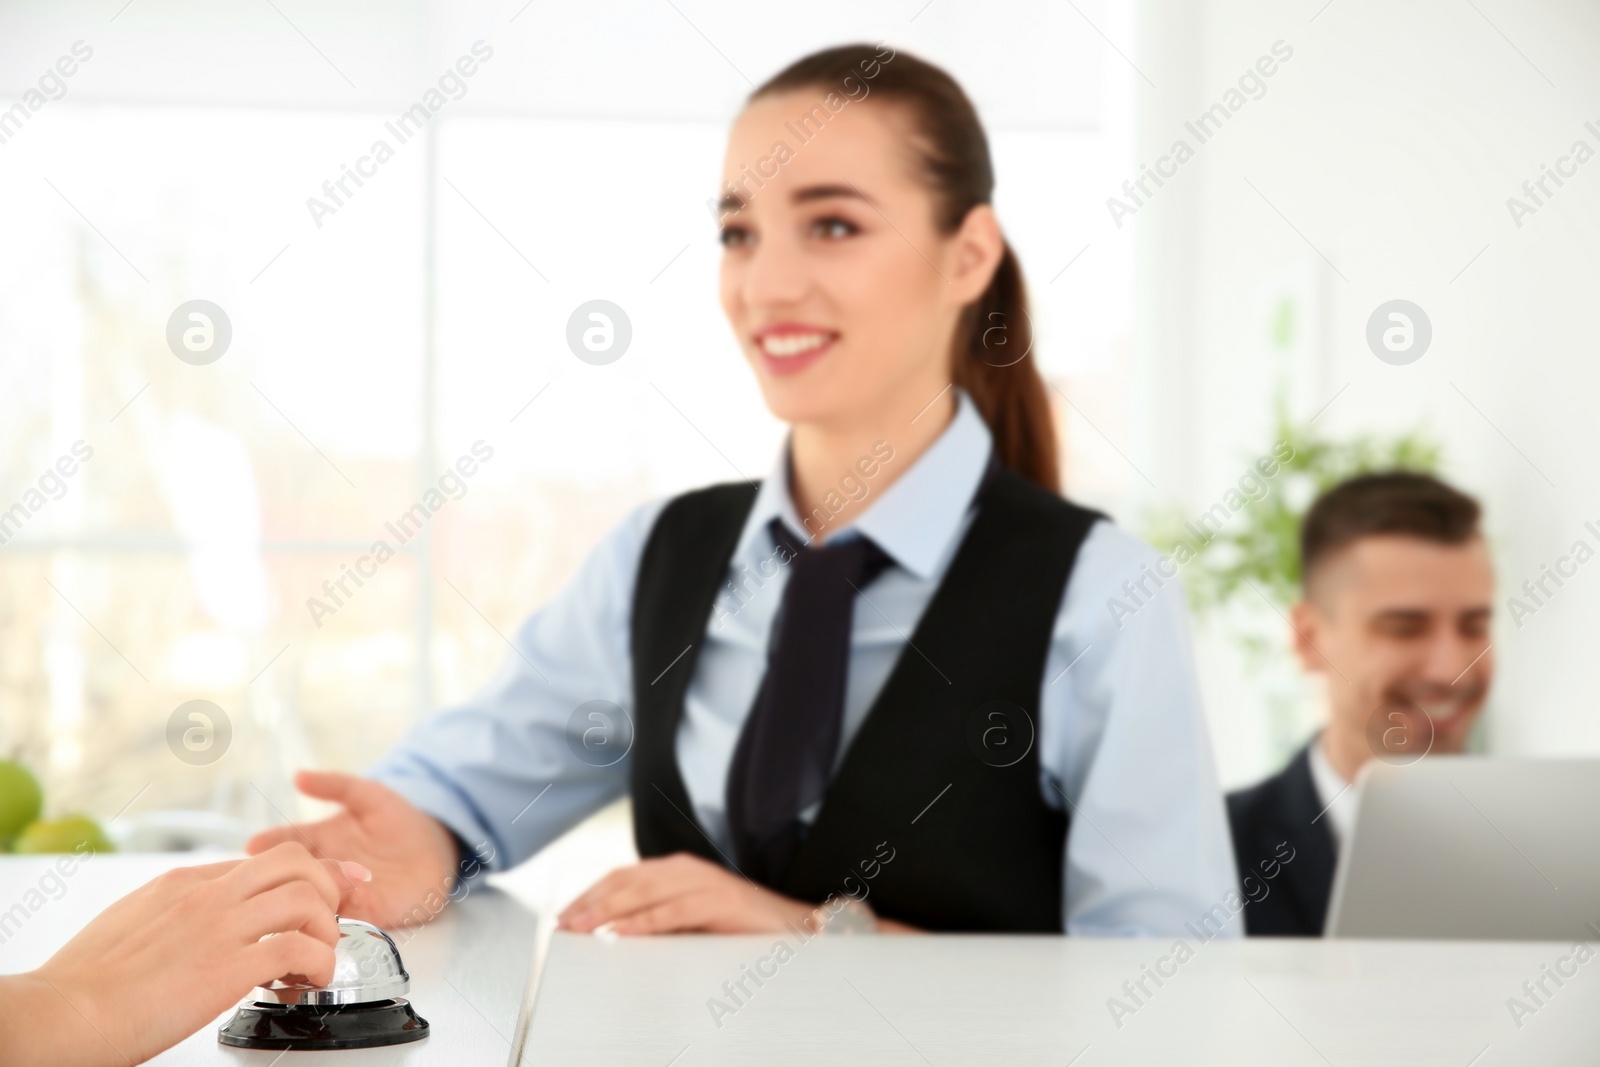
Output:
x=1257 y=549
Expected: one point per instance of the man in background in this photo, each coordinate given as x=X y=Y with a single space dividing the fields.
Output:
x=1394 y=616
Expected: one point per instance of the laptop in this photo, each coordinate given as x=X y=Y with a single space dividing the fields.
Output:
x=1472 y=848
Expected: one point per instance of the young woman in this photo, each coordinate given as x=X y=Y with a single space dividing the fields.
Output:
x=888 y=673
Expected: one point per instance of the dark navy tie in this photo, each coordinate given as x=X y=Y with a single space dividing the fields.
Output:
x=785 y=754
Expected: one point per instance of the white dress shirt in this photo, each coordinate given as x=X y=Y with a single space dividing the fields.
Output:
x=1334 y=795
x=1121 y=734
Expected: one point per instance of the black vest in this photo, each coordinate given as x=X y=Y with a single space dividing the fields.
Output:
x=944 y=770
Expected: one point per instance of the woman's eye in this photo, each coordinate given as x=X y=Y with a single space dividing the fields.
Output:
x=834 y=227
x=733 y=236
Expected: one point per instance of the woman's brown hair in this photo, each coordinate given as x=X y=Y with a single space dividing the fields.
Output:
x=953 y=154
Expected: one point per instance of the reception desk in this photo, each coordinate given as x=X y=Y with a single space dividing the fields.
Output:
x=1058 y=1001
x=493 y=982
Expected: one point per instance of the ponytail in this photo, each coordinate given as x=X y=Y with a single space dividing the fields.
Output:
x=991 y=362
x=992 y=349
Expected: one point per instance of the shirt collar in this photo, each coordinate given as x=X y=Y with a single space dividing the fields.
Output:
x=917 y=518
x=1333 y=792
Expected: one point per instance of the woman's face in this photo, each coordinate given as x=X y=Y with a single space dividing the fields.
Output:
x=842 y=294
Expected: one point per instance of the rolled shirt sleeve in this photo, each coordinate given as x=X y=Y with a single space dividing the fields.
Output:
x=545 y=742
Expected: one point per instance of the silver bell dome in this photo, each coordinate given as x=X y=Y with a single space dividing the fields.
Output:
x=366 y=968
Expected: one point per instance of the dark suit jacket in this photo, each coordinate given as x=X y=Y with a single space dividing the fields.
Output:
x=1268 y=820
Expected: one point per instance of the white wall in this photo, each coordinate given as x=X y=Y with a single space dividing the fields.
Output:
x=1390 y=141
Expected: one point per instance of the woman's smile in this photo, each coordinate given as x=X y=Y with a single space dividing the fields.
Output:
x=790 y=347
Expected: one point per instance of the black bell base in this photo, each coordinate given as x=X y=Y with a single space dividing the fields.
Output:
x=302 y=1028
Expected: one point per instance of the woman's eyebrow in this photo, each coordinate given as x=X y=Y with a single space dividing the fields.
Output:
x=733 y=202
x=823 y=192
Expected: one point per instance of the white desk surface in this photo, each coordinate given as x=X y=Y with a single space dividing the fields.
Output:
x=922 y=1001
x=912 y=1000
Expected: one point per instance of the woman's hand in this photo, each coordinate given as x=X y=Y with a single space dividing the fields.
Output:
x=681 y=892
x=174 y=954
x=411 y=855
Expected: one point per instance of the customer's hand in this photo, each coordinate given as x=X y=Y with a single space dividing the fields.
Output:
x=678 y=893
x=174 y=954
x=411 y=855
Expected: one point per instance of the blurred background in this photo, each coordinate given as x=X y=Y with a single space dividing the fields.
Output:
x=1186 y=326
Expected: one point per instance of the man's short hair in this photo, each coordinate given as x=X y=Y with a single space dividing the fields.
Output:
x=1404 y=503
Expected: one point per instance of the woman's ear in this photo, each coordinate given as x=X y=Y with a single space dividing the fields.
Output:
x=975 y=253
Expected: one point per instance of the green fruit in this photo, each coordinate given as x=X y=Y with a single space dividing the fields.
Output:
x=21 y=800
x=70 y=833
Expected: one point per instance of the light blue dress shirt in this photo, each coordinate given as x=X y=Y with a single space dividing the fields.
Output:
x=1122 y=737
